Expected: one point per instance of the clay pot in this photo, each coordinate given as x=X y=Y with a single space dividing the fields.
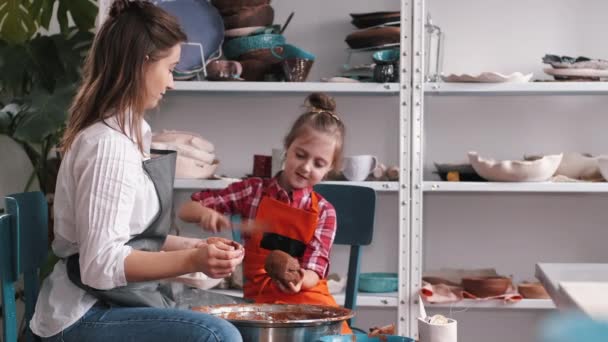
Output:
x=532 y=291
x=296 y=69
x=483 y=287
x=264 y=55
x=282 y=267
x=254 y=70
x=250 y=16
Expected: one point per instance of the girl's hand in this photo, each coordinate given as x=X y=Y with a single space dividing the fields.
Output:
x=212 y=220
x=292 y=288
x=217 y=259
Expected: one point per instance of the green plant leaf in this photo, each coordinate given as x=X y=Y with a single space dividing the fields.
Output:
x=46 y=60
x=15 y=70
x=72 y=49
x=45 y=114
x=16 y=23
x=83 y=13
x=42 y=11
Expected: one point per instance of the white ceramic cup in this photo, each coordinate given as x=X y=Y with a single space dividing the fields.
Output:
x=437 y=332
x=357 y=168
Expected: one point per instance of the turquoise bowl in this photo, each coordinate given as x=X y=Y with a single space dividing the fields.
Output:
x=378 y=282
x=365 y=338
x=292 y=51
x=238 y=46
x=387 y=56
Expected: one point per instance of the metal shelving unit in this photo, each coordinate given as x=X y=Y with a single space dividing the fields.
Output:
x=193 y=184
x=388 y=299
x=473 y=304
x=533 y=187
x=516 y=89
x=383 y=89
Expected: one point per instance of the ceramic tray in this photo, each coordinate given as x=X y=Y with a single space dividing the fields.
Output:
x=582 y=73
x=488 y=77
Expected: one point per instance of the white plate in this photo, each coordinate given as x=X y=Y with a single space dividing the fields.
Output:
x=488 y=77
x=576 y=72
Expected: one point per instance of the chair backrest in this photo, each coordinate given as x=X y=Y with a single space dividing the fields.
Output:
x=23 y=250
x=355 y=210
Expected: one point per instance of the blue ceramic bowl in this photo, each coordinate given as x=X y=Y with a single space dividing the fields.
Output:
x=238 y=46
x=203 y=25
x=386 y=56
x=365 y=338
x=378 y=282
x=292 y=51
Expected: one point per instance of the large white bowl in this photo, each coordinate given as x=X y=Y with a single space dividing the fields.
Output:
x=603 y=164
x=515 y=170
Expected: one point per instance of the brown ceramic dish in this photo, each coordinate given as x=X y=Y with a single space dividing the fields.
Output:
x=365 y=20
x=224 y=4
x=483 y=287
x=532 y=291
x=373 y=37
x=296 y=69
x=254 y=70
x=264 y=55
x=251 y=16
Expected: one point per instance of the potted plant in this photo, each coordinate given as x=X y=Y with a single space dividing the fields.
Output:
x=39 y=74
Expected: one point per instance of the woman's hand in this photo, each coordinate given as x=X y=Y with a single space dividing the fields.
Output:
x=218 y=257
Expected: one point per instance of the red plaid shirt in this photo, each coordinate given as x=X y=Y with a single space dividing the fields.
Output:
x=244 y=198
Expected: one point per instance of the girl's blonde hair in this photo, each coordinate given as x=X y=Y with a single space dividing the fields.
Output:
x=321 y=116
x=136 y=32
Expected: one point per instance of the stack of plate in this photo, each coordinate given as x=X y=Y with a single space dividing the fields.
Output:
x=377 y=30
x=565 y=68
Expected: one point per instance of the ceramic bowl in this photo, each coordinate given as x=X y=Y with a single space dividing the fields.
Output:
x=515 y=170
x=236 y=47
x=603 y=165
x=254 y=70
x=488 y=77
x=365 y=20
x=223 y=70
x=484 y=287
x=373 y=37
x=191 y=168
x=268 y=56
x=577 y=165
x=378 y=282
x=243 y=31
x=250 y=16
x=223 y=5
x=291 y=52
x=532 y=291
x=386 y=56
x=203 y=25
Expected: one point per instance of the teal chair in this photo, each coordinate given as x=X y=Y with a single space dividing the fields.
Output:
x=23 y=250
x=355 y=209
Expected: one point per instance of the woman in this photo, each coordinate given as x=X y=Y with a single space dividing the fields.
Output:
x=113 y=202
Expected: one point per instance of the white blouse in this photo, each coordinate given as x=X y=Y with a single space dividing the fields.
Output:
x=103 y=197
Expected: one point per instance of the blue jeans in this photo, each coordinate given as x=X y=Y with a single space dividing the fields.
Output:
x=118 y=324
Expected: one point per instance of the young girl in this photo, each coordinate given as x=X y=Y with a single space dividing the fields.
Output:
x=300 y=222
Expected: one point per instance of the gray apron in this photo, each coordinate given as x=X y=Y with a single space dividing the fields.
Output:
x=161 y=170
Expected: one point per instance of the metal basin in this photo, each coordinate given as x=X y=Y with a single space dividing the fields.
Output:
x=281 y=322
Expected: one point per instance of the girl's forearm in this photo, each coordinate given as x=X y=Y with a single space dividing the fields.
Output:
x=310 y=279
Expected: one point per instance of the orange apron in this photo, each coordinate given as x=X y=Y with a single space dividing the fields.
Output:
x=293 y=223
